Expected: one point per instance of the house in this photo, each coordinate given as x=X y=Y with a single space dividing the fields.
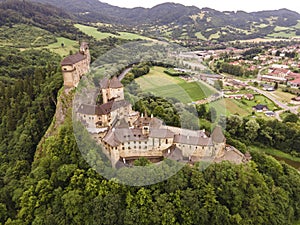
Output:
x=267 y=87
x=297 y=99
x=270 y=113
x=75 y=66
x=249 y=97
x=260 y=108
x=294 y=83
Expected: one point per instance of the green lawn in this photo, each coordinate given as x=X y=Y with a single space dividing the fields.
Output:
x=242 y=107
x=161 y=84
x=92 y=31
x=69 y=45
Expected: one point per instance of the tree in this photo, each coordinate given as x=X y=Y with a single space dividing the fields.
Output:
x=212 y=115
x=234 y=122
x=291 y=117
x=201 y=110
x=251 y=128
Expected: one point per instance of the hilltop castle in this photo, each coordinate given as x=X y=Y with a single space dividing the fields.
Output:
x=75 y=66
x=127 y=135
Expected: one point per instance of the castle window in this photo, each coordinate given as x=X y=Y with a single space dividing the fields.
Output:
x=123 y=148
x=166 y=141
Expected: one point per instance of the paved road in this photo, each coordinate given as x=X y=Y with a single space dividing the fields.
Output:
x=278 y=103
x=122 y=75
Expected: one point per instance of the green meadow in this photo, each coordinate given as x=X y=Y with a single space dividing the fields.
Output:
x=92 y=31
x=163 y=85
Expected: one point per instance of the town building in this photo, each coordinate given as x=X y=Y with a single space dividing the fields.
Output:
x=75 y=66
x=260 y=108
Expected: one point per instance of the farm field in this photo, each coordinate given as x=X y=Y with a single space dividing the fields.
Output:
x=92 y=31
x=161 y=84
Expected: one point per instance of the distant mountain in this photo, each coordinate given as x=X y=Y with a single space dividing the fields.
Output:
x=94 y=10
x=170 y=20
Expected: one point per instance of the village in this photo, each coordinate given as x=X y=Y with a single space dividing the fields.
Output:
x=267 y=79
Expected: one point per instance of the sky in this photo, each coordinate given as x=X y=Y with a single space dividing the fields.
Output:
x=221 y=5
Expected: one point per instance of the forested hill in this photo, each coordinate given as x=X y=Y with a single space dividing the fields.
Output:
x=44 y=16
x=167 y=13
x=177 y=21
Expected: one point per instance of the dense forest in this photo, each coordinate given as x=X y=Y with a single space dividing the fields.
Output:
x=62 y=189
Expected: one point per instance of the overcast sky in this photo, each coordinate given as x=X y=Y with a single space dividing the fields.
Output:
x=221 y=5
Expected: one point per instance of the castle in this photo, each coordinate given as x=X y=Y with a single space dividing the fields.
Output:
x=75 y=66
x=126 y=135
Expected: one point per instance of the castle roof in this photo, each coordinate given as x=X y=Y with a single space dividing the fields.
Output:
x=73 y=59
x=161 y=133
x=217 y=135
x=116 y=136
x=110 y=83
x=190 y=140
x=103 y=109
x=148 y=121
x=115 y=83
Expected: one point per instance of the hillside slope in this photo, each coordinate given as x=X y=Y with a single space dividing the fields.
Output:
x=184 y=22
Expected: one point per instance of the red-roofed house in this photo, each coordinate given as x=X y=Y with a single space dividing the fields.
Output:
x=294 y=83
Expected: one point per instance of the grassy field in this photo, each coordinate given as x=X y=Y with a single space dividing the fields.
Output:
x=214 y=36
x=92 y=31
x=242 y=107
x=283 y=96
x=69 y=45
x=161 y=84
x=200 y=36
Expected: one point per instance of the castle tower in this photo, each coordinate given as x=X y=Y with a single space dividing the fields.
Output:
x=116 y=90
x=112 y=90
x=75 y=66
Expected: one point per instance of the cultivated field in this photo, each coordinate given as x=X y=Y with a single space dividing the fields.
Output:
x=163 y=85
x=92 y=31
